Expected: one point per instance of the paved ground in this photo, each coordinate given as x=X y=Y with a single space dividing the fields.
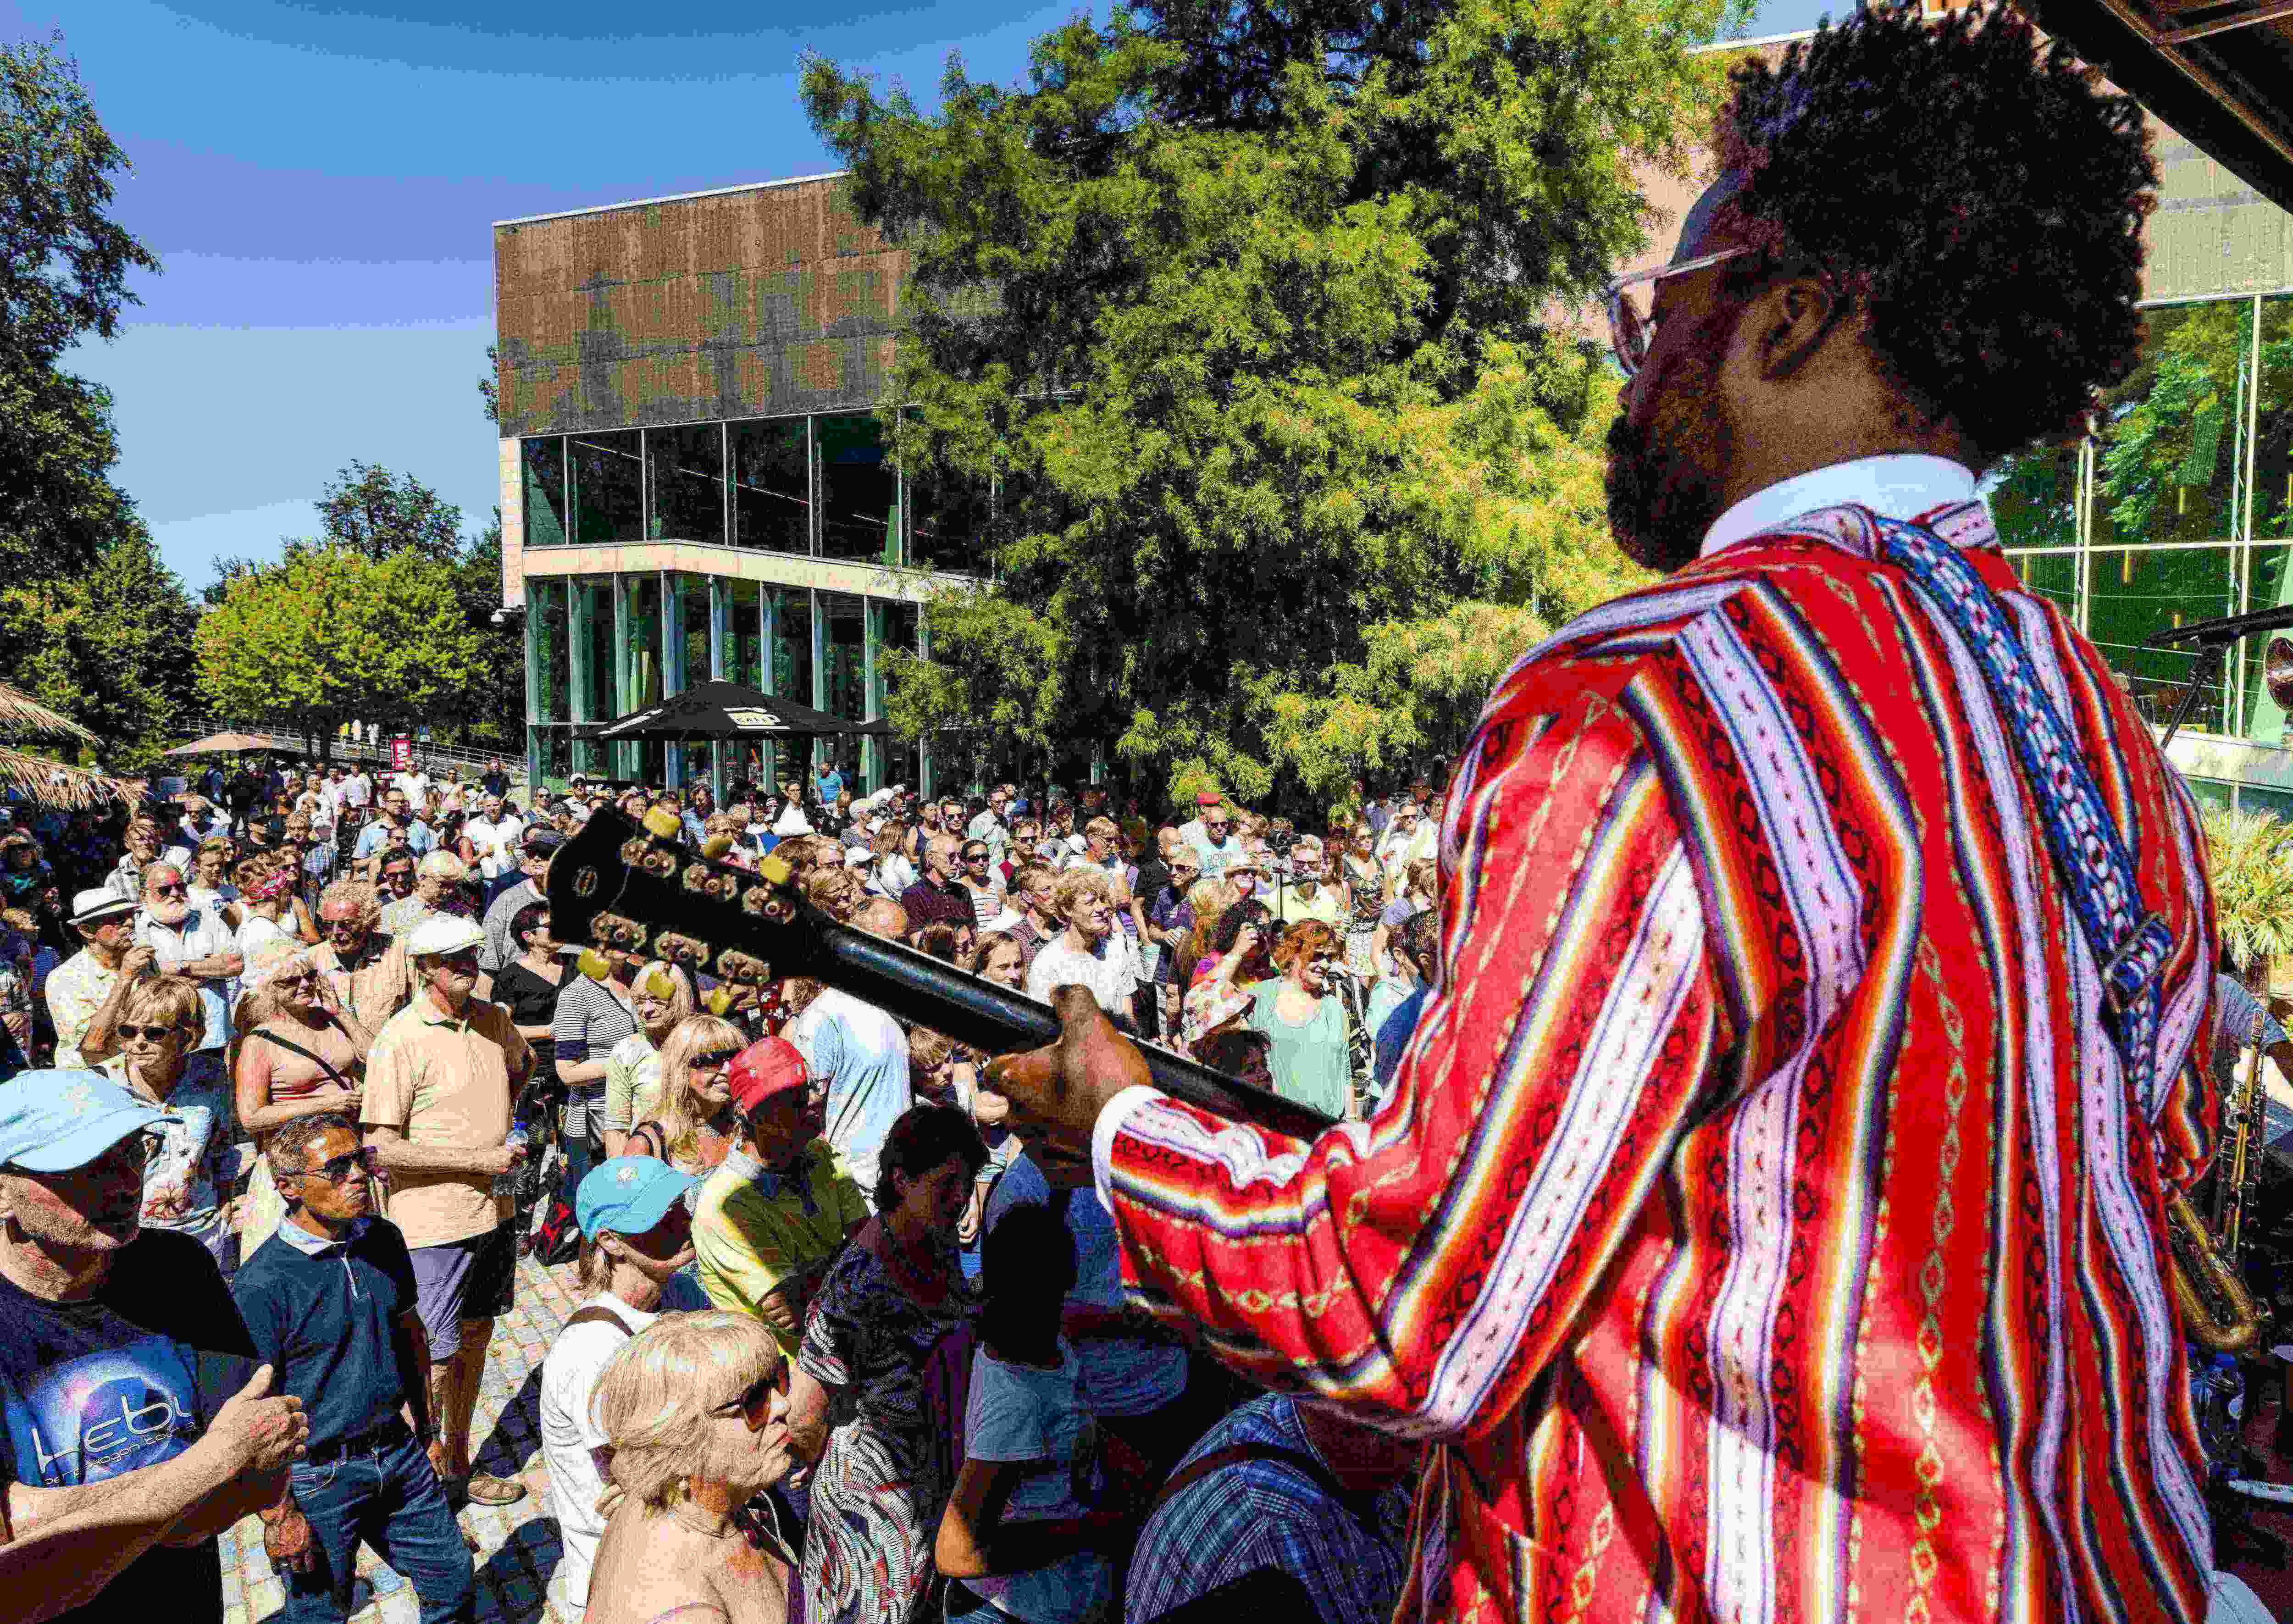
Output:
x=517 y=1545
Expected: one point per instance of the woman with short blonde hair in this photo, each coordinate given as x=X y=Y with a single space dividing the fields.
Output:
x=187 y=1173
x=695 y=1408
x=660 y=995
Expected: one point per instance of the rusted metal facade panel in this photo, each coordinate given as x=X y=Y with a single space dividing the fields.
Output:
x=771 y=301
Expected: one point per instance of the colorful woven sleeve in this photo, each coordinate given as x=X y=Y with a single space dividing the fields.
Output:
x=1423 y=1263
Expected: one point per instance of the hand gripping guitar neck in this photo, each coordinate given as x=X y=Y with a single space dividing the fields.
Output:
x=616 y=885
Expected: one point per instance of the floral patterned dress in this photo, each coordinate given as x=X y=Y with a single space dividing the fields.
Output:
x=883 y=1482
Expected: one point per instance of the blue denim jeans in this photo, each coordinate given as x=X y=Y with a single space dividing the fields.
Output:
x=392 y=1499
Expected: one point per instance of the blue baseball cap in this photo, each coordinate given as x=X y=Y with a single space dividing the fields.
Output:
x=627 y=1195
x=58 y=1120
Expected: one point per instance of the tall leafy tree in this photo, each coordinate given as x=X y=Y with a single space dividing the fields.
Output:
x=111 y=646
x=1248 y=311
x=64 y=267
x=378 y=514
x=329 y=635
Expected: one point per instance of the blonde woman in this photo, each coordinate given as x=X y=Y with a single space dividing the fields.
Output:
x=300 y=1051
x=659 y=997
x=695 y=1411
x=696 y=1125
x=187 y=1175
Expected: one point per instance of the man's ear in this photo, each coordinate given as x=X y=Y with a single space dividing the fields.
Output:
x=1794 y=319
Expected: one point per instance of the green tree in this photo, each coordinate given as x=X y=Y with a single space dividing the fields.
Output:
x=330 y=634
x=1251 y=326
x=490 y=709
x=64 y=264
x=112 y=647
x=378 y=515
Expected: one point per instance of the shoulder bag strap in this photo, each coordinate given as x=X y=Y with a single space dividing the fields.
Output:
x=2089 y=855
x=293 y=1047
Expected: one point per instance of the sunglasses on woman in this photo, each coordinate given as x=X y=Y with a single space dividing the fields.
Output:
x=755 y=1404
x=715 y=1060
x=157 y=1034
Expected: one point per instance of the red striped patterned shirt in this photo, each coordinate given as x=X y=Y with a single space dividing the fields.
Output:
x=1759 y=1224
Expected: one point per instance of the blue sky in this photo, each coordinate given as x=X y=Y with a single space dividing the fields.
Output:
x=320 y=181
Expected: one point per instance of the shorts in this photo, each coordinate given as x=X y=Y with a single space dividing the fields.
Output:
x=462 y=1280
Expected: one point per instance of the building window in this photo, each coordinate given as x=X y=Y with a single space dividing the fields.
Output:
x=792 y=644
x=2273 y=450
x=859 y=489
x=745 y=632
x=846 y=693
x=608 y=487
x=684 y=473
x=546 y=648
x=543 y=460
x=772 y=486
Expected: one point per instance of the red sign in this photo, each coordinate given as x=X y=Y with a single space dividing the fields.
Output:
x=401 y=754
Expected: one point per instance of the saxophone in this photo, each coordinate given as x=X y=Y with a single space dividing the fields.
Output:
x=2217 y=1309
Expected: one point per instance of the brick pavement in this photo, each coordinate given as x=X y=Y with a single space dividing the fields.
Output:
x=517 y=1545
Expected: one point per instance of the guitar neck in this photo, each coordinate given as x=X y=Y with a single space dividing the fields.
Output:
x=619 y=886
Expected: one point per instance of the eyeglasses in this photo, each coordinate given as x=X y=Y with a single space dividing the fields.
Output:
x=365 y=1159
x=176 y=890
x=157 y=1034
x=308 y=977
x=1216 y=823
x=975 y=857
x=716 y=1059
x=1632 y=308
x=467 y=959
x=755 y=1404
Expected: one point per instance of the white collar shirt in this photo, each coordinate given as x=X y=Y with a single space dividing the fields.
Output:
x=1895 y=486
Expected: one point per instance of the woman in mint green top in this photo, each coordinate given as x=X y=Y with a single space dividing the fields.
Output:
x=1305 y=1025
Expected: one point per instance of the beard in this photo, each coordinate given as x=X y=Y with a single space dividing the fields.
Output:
x=1664 y=478
x=170 y=913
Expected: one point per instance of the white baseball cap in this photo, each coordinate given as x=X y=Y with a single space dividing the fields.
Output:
x=443 y=933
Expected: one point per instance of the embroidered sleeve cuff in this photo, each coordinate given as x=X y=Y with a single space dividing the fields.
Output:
x=1111 y=1118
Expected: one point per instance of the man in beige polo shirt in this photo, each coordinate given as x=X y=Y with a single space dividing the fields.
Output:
x=440 y=1081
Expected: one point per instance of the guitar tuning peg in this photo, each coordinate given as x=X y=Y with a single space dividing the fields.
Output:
x=663 y=824
x=775 y=871
x=717 y=1001
x=716 y=846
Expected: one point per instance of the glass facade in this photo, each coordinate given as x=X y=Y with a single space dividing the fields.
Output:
x=2179 y=509
x=684 y=471
x=599 y=646
x=758 y=484
x=608 y=486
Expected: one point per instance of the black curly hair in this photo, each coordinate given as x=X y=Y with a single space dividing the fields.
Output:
x=1974 y=189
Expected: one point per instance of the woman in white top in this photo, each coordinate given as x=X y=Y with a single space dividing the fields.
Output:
x=1016 y=1538
x=659 y=997
x=890 y=873
x=1088 y=953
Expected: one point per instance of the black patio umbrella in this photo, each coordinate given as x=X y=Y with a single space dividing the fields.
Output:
x=728 y=711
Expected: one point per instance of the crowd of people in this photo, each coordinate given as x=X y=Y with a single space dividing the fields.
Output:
x=844 y=1352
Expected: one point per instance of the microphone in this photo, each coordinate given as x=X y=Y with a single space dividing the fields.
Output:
x=2223 y=632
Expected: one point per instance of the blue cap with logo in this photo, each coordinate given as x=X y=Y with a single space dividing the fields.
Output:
x=629 y=1195
x=58 y=1120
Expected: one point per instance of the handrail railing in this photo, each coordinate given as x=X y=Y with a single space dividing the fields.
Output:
x=288 y=741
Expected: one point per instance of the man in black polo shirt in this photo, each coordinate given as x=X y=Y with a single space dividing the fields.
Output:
x=329 y=1301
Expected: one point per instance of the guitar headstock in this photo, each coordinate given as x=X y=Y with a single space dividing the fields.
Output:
x=626 y=887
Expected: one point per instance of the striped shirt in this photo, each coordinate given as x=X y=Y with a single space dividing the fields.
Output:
x=1759 y=1221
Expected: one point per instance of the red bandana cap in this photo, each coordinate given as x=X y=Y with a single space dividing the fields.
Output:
x=768 y=1067
x=1208 y=798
